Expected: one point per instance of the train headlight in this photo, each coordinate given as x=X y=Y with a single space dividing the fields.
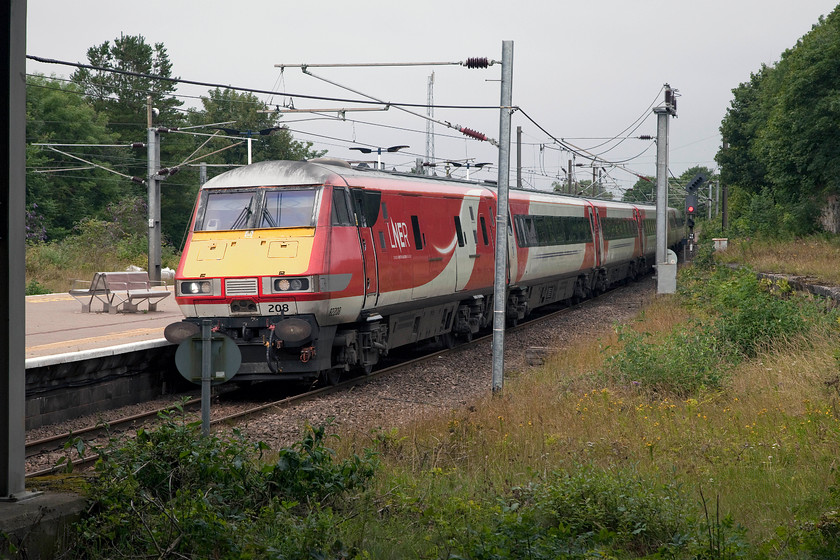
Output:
x=196 y=287
x=291 y=285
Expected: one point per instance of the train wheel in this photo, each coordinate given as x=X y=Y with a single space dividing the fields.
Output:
x=448 y=340
x=330 y=376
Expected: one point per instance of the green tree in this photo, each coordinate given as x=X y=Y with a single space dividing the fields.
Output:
x=802 y=141
x=644 y=190
x=59 y=189
x=246 y=116
x=123 y=97
x=783 y=141
x=739 y=161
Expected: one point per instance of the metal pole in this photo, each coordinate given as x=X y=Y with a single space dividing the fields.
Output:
x=500 y=282
x=709 y=203
x=202 y=173
x=569 y=189
x=153 y=190
x=724 y=197
x=206 y=346
x=12 y=255
x=518 y=157
x=661 y=183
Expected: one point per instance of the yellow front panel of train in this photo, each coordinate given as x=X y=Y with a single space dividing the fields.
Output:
x=248 y=253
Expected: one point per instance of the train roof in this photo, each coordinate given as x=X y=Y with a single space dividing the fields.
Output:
x=333 y=171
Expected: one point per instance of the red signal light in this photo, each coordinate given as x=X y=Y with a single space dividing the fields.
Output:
x=691 y=209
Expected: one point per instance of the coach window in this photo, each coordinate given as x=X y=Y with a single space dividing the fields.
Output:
x=483 y=230
x=459 y=231
x=418 y=236
x=340 y=208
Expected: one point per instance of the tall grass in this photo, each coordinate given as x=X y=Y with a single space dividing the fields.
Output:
x=814 y=256
x=750 y=461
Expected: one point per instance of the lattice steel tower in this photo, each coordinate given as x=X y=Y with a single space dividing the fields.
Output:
x=430 y=124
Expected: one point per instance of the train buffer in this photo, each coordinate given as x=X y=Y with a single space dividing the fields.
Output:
x=118 y=291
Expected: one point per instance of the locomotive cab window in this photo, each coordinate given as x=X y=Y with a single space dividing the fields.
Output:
x=288 y=208
x=366 y=206
x=227 y=210
x=235 y=209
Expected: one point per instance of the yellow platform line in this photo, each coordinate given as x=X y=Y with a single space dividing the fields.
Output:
x=114 y=336
x=48 y=299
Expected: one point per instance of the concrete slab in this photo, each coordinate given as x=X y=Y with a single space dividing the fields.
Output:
x=38 y=528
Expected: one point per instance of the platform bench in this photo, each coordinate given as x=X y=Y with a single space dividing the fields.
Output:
x=119 y=291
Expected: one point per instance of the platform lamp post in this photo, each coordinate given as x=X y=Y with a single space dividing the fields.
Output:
x=379 y=152
x=468 y=165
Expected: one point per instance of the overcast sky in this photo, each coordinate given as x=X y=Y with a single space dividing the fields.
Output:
x=584 y=71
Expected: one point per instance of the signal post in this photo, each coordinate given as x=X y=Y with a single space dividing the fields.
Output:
x=666 y=272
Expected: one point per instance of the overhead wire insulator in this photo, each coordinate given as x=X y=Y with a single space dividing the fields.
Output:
x=473 y=133
x=477 y=62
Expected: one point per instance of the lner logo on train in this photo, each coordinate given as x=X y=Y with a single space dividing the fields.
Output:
x=398 y=233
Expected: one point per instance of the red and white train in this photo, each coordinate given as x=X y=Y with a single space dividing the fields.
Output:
x=316 y=267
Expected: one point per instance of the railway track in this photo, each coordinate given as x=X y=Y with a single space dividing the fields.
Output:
x=58 y=442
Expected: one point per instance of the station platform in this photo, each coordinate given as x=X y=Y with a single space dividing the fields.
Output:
x=57 y=330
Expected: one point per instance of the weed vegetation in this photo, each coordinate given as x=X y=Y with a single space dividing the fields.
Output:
x=815 y=256
x=706 y=429
x=110 y=244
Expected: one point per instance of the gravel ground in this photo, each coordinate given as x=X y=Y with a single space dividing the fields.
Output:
x=452 y=381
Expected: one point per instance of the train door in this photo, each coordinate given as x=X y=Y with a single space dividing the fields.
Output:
x=466 y=252
x=595 y=224
x=639 y=250
x=513 y=257
x=366 y=209
x=421 y=260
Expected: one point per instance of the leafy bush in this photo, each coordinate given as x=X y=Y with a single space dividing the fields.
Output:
x=770 y=216
x=750 y=315
x=585 y=513
x=686 y=361
x=34 y=288
x=172 y=492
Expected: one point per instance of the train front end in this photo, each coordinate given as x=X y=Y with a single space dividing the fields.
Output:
x=258 y=264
